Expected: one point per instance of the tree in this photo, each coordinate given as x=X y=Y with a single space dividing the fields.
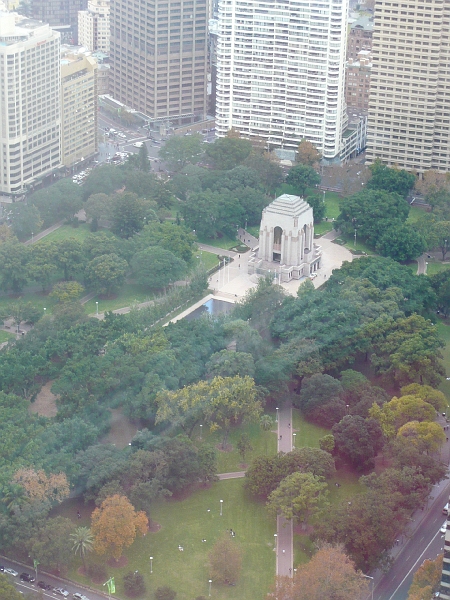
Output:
x=370 y=213
x=433 y=185
x=6 y=234
x=42 y=266
x=299 y=496
x=133 y=584
x=426 y=437
x=156 y=267
x=302 y=177
x=82 y=543
x=98 y=208
x=228 y=152
x=440 y=237
x=307 y=153
x=51 y=545
x=143 y=162
x=115 y=525
x=220 y=402
x=8 y=590
x=441 y=286
x=399 y=411
x=244 y=445
x=14 y=260
x=68 y=256
x=426 y=579
x=165 y=593
x=428 y=394
x=179 y=150
x=58 y=201
x=67 y=291
x=318 y=205
x=169 y=236
x=25 y=219
x=358 y=441
x=105 y=179
x=401 y=242
x=393 y=180
x=127 y=214
x=106 y=273
x=39 y=486
x=225 y=561
x=270 y=174
x=320 y=399
x=326 y=443
x=228 y=363
x=329 y=574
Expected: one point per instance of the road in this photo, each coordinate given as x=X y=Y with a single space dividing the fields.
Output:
x=422 y=540
x=54 y=581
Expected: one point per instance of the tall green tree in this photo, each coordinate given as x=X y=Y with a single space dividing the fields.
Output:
x=69 y=256
x=127 y=215
x=156 y=267
x=106 y=273
x=25 y=219
x=14 y=265
x=228 y=152
x=42 y=265
x=302 y=177
x=52 y=544
x=392 y=180
x=401 y=242
x=179 y=150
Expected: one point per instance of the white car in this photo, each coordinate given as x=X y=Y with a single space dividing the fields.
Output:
x=11 y=572
x=62 y=592
x=443 y=529
x=79 y=596
x=138 y=144
x=121 y=135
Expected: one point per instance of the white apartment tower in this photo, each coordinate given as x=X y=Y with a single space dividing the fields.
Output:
x=29 y=102
x=409 y=99
x=93 y=26
x=281 y=71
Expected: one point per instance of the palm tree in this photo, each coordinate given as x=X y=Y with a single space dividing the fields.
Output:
x=83 y=542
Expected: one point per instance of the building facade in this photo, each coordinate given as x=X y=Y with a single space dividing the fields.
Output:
x=30 y=117
x=158 y=58
x=357 y=81
x=360 y=37
x=93 y=26
x=59 y=13
x=79 y=127
x=281 y=71
x=410 y=86
x=286 y=240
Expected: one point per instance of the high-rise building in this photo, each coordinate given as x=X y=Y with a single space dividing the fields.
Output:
x=29 y=102
x=79 y=129
x=444 y=590
x=357 y=81
x=281 y=71
x=360 y=37
x=158 y=57
x=410 y=85
x=93 y=26
x=58 y=12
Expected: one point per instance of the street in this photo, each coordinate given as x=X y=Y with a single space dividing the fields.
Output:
x=54 y=581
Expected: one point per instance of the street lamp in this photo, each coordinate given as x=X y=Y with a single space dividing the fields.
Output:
x=32 y=237
x=275 y=535
x=201 y=429
x=294 y=435
x=151 y=565
x=45 y=311
x=276 y=419
x=355 y=238
x=221 y=507
x=210 y=582
x=373 y=583
x=97 y=305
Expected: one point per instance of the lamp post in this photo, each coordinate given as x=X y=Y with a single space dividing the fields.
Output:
x=32 y=237
x=369 y=577
x=276 y=419
x=151 y=565
x=201 y=430
x=294 y=436
x=221 y=507
x=97 y=305
x=35 y=563
x=210 y=582
x=355 y=238
x=275 y=536
x=45 y=311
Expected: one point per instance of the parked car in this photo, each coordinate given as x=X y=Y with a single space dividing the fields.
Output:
x=443 y=529
x=44 y=586
x=79 y=596
x=2 y=568
x=61 y=592
x=138 y=144
x=27 y=577
x=11 y=572
x=445 y=509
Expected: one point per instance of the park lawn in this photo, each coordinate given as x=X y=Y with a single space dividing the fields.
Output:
x=187 y=522
x=307 y=434
x=323 y=227
x=254 y=231
x=207 y=259
x=64 y=232
x=332 y=200
x=263 y=442
x=434 y=267
x=224 y=243
x=126 y=296
x=359 y=247
x=37 y=298
x=414 y=214
x=5 y=336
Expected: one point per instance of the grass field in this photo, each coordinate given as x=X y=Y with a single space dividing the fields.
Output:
x=67 y=231
x=5 y=336
x=208 y=259
x=130 y=293
x=224 y=242
x=187 y=522
x=444 y=332
x=254 y=231
x=414 y=213
x=38 y=299
x=434 y=267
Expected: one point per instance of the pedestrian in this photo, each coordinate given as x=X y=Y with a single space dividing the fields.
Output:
x=289 y=425
x=78 y=514
x=281 y=437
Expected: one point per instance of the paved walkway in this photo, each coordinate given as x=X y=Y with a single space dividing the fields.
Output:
x=42 y=234
x=422 y=265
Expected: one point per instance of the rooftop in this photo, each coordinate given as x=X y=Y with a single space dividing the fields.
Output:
x=286 y=204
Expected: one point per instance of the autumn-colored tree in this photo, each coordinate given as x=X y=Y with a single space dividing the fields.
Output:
x=427 y=394
x=426 y=579
x=307 y=153
x=225 y=561
x=399 y=411
x=115 y=525
x=39 y=486
x=329 y=574
x=426 y=437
